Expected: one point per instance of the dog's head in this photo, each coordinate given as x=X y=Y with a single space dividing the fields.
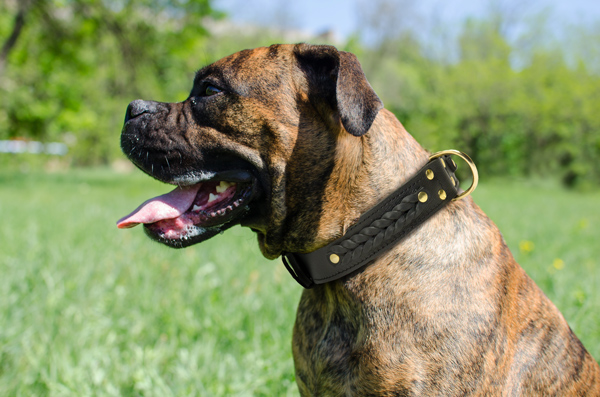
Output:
x=253 y=144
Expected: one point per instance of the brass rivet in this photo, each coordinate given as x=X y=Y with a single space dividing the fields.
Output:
x=423 y=197
x=429 y=174
x=333 y=258
x=442 y=194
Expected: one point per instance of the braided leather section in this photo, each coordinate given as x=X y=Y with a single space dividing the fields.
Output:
x=379 y=231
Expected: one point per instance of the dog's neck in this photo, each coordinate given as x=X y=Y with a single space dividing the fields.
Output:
x=366 y=172
x=384 y=162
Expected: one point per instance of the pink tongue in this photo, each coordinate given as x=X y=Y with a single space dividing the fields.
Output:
x=167 y=206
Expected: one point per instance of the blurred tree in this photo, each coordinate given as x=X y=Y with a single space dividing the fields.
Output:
x=505 y=88
x=508 y=98
x=11 y=40
x=387 y=27
x=71 y=66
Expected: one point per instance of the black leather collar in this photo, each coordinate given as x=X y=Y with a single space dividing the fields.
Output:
x=379 y=229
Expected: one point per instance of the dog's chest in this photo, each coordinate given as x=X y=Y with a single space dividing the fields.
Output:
x=345 y=346
x=336 y=351
x=327 y=349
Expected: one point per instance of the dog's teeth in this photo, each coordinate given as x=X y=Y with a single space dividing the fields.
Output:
x=223 y=186
x=196 y=208
x=212 y=197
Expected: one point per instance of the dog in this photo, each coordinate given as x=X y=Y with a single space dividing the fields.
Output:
x=292 y=142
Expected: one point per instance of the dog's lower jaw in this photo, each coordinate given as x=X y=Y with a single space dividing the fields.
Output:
x=268 y=251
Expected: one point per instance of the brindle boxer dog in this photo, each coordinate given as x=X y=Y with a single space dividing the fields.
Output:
x=292 y=142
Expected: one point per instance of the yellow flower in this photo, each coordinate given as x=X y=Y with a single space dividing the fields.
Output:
x=558 y=264
x=582 y=224
x=526 y=246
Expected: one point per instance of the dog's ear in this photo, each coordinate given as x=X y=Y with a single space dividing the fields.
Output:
x=337 y=78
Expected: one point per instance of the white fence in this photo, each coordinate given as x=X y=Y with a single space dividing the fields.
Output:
x=33 y=147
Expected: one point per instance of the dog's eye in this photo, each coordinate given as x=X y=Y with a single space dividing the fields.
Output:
x=210 y=90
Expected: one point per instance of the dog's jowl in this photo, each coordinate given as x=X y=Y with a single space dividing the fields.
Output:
x=292 y=142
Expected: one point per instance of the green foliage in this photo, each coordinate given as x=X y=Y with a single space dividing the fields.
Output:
x=517 y=109
x=77 y=63
x=538 y=119
x=88 y=309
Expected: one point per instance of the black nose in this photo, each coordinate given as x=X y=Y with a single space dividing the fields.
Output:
x=139 y=107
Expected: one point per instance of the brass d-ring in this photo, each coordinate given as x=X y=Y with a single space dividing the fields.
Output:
x=467 y=160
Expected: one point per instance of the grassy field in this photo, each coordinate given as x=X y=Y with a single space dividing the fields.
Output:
x=87 y=309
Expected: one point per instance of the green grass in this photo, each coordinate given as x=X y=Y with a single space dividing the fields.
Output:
x=88 y=309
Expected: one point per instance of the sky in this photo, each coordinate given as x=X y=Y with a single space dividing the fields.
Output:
x=344 y=17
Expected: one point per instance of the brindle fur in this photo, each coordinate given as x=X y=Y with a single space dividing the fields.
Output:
x=447 y=311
